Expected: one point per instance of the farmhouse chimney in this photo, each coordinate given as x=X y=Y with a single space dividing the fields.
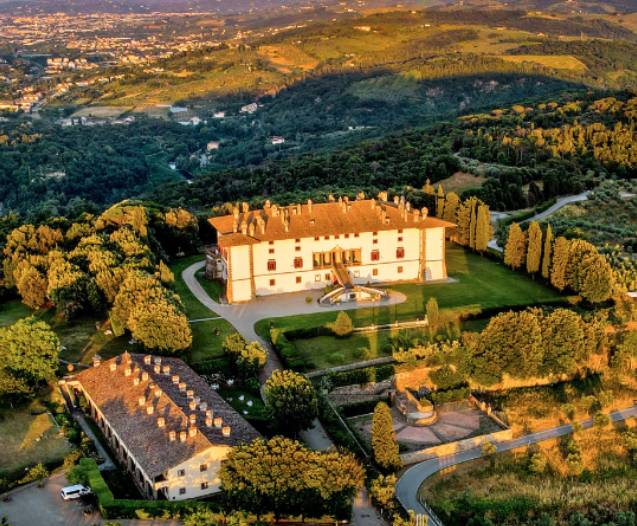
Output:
x=203 y=406
x=175 y=378
x=192 y=405
x=144 y=376
x=157 y=368
x=183 y=436
x=150 y=409
x=166 y=369
x=113 y=366
x=208 y=422
x=128 y=371
x=142 y=401
x=218 y=422
x=182 y=387
x=225 y=431
x=309 y=206
x=425 y=212
x=147 y=359
x=161 y=422
x=245 y=207
x=192 y=418
x=192 y=431
x=96 y=361
x=172 y=436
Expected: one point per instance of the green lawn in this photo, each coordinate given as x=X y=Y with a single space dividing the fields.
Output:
x=323 y=352
x=12 y=311
x=233 y=396
x=213 y=288
x=481 y=284
x=28 y=439
x=207 y=339
x=194 y=308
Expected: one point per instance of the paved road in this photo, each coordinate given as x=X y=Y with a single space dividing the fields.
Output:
x=408 y=485
x=560 y=203
x=33 y=506
x=244 y=316
x=107 y=463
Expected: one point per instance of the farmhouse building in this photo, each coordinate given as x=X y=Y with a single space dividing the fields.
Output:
x=301 y=247
x=165 y=424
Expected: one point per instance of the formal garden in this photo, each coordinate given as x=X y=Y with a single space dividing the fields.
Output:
x=479 y=286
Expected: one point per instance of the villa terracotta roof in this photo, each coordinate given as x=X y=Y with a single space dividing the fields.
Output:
x=118 y=397
x=319 y=219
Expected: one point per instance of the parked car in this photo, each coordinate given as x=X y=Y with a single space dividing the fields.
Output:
x=74 y=492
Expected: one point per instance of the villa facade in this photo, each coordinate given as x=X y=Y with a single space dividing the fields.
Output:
x=277 y=250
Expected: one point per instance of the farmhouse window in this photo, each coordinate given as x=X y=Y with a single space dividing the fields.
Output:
x=298 y=262
x=400 y=252
x=375 y=255
x=271 y=264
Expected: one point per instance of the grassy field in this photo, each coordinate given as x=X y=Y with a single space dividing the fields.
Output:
x=507 y=492
x=194 y=308
x=207 y=339
x=326 y=351
x=461 y=182
x=568 y=62
x=480 y=283
x=28 y=439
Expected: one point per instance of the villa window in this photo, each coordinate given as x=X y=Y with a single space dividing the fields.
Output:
x=272 y=282
x=375 y=272
x=375 y=255
x=317 y=278
x=271 y=265
x=400 y=270
x=182 y=491
x=298 y=279
x=181 y=473
x=356 y=235
x=270 y=251
x=400 y=230
x=328 y=277
x=203 y=467
x=375 y=241
x=297 y=240
x=316 y=238
x=204 y=485
x=298 y=249
x=298 y=262
x=400 y=239
x=270 y=242
x=326 y=237
x=346 y=236
x=400 y=252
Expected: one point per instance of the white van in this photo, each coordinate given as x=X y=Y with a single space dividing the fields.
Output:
x=74 y=492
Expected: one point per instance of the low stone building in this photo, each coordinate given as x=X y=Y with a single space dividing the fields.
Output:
x=165 y=424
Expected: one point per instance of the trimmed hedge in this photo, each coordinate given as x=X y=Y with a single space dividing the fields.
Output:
x=361 y=376
x=450 y=395
x=286 y=351
x=112 y=508
x=360 y=408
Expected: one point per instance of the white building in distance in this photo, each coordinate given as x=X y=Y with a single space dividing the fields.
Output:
x=302 y=247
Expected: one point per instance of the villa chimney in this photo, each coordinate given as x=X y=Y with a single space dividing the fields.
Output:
x=192 y=405
x=360 y=196
x=372 y=203
x=235 y=212
x=209 y=413
x=182 y=387
x=157 y=360
x=208 y=422
x=113 y=365
x=203 y=406
x=245 y=207
x=190 y=393
x=161 y=422
x=251 y=229
x=425 y=212
x=192 y=431
x=309 y=206
x=157 y=368
x=142 y=401
x=330 y=198
x=165 y=369
x=150 y=409
x=136 y=380
x=218 y=422
x=183 y=436
x=298 y=209
x=225 y=431
x=197 y=399
x=396 y=200
x=408 y=206
x=157 y=392
x=128 y=371
x=147 y=359
x=175 y=379
x=275 y=210
x=383 y=196
x=244 y=227
x=235 y=226
x=192 y=418
x=144 y=376
x=172 y=436
x=267 y=204
x=96 y=361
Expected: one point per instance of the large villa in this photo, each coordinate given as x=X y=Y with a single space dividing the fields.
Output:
x=300 y=247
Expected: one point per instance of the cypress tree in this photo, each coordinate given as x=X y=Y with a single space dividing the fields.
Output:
x=473 y=223
x=547 y=253
x=440 y=201
x=433 y=315
x=515 y=248
x=451 y=207
x=559 y=264
x=483 y=228
x=534 y=250
x=384 y=443
x=464 y=224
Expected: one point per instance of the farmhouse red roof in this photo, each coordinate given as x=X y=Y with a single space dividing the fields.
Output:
x=319 y=219
x=118 y=395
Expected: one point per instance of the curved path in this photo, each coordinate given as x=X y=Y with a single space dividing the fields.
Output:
x=560 y=203
x=244 y=316
x=408 y=485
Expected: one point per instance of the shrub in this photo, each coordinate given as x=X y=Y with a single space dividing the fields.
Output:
x=343 y=325
x=450 y=395
x=291 y=399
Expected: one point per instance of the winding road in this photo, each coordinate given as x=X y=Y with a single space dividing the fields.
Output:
x=560 y=203
x=408 y=485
